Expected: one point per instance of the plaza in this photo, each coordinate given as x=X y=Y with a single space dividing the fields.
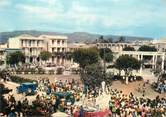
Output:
x=82 y=58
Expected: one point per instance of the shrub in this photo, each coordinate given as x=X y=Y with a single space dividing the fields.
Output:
x=51 y=71
x=18 y=71
x=41 y=71
x=18 y=79
x=59 y=71
x=117 y=77
x=139 y=78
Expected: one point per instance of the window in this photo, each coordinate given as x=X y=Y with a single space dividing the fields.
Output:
x=58 y=49
x=63 y=42
x=38 y=43
x=22 y=43
x=63 y=49
x=58 y=42
x=53 y=49
x=30 y=50
x=53 y=42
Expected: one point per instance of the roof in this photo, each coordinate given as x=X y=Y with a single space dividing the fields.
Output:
x=162 y=40
x=80 y=45
x=53 y=36
x=41 y=37
x=26 y=36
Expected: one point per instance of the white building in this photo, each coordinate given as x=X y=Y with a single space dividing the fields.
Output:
x=32 y=46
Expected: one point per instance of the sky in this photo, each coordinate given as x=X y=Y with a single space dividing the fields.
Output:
x=145 y=18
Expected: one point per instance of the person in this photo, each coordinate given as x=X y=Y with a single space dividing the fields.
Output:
x=12 y=113
x=103 y=86
x=18 y=108
x=81 y=113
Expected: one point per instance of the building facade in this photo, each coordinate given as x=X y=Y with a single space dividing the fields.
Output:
x=32 y=46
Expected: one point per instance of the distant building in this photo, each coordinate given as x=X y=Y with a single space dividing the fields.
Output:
x=75 y=46
x=160 y=45
x=3 y=54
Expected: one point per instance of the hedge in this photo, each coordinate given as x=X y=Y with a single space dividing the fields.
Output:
x=18 y=79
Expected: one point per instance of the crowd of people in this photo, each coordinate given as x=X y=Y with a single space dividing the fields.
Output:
x=50 y=98
x=122 y=105
x=69 y=97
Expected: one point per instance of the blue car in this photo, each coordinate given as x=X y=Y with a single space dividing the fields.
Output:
x=27 y=88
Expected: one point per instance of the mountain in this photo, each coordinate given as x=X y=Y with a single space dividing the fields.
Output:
x=73 y=37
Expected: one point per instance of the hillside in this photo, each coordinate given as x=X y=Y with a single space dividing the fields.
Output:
x=73 y=37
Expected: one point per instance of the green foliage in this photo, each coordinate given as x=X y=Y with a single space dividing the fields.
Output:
x=92 y=75
x=69 y=55
x=127 y=63
x=1 y=62
x=86 y=57
x=102 y=40
x=121 y=40
x=147 y=48
x=18 y=79
x=108 y=57
x=59 y=71
x=41 y=71
x=15 y=58
x=128 y=48
x=51 y=71
x=108 y=54
x=45 y=55
x=29 y=70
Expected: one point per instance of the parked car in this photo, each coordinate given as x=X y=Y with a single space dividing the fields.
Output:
x=27 y=88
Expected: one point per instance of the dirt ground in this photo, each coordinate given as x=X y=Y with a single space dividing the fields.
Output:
x=52 y=78
x=133 y=86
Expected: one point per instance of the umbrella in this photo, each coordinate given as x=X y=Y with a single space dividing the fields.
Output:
x=59 y=114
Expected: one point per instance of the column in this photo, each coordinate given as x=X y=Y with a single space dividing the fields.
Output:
x=153 y=62
x=162 y=65
x=138 y=57
x=27 y=60
x=141 y=64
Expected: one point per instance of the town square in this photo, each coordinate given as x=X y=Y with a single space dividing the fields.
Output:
x=114 y=70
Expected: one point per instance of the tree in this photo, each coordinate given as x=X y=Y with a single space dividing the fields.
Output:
x=148 y=49
x=45 y=55
x=121 y=40
x=92 y=75
x=127 y=63
x=103 y=40
x=68 y=55
x=108 y=54
x=86 y=57
x=15 y=58
x=128 y=48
